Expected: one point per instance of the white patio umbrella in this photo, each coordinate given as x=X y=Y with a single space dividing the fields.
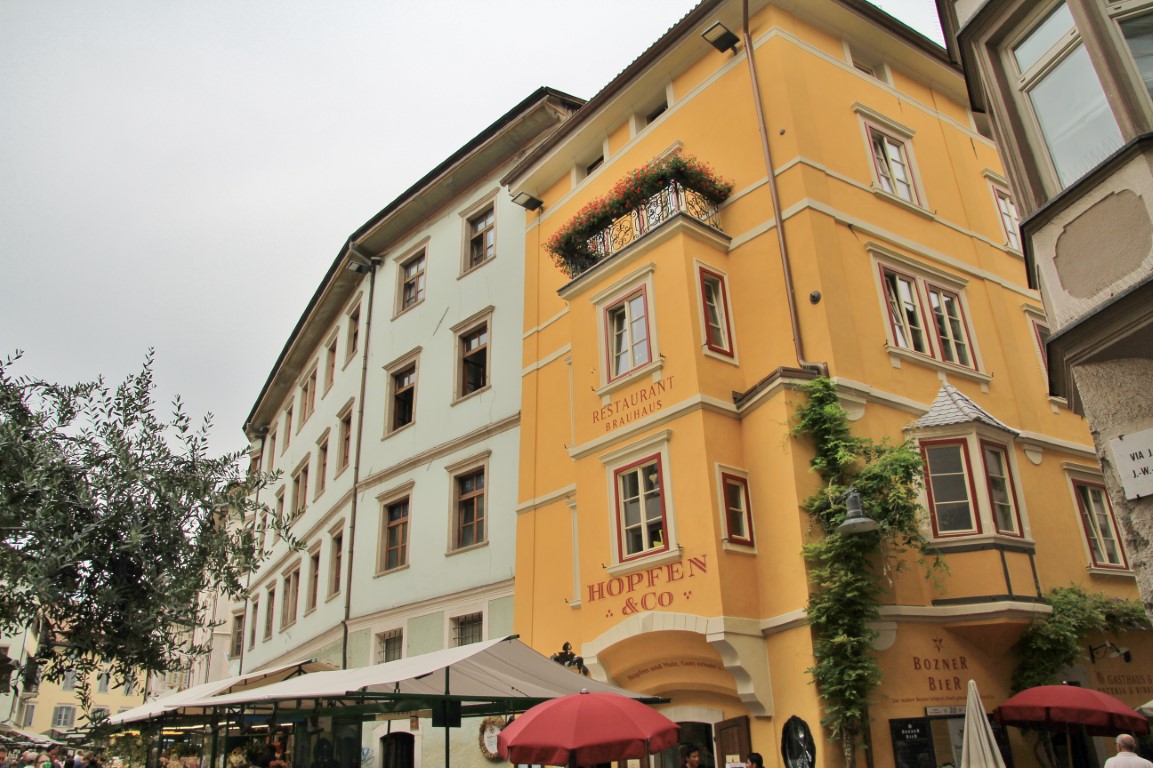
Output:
x=979 y=747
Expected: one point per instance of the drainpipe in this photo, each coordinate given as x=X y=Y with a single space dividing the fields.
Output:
x=370 y=263
x=786 y=266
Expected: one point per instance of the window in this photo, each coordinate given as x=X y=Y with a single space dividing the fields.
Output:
x=412 y=281
x=287 y=427
x=344 y=448
x=308 y=396
x=63 y=716
x=353 y=342
x=103 y=680
x=336 y=562
x=300 y=489
x=313 y=579
x=393 y=549
x=271 y=449
x=269 y=610
x=291 y=597
x=1009 y=221
x=27 y=713
x=69 y=681
x=481 y=237
x=906 y=298
x=255 y=622
x=99 y=715
x=640 y=508
x=1056 y=77
x=322 y=463
x=626 y=324
x=656 y=111
x=738 y=515
x=468 y=629
x=237 y=646
x=1099 y=524
x=715 y=301
x=130 y=686
x=597 y=163
x=330 y=363
x=949 y=486
x=1002 y=496
x=473 y=359
x=402 y=396
x=469 y=508
x=1041 y=334
x=389 y=645
x=278 y=518
x=891 y=163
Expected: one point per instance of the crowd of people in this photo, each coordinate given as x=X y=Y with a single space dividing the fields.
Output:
x=51 y=757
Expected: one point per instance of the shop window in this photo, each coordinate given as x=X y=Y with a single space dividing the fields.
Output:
x=948 y=482
x=1099 y=525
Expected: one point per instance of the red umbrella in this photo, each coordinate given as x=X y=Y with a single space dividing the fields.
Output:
x=1054 y=707
x=585 y=729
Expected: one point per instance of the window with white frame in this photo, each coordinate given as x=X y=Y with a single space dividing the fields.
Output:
x=926 y=317
x=949 y=485
x=69 y=681
x=63 y=716
x=481 y=237
x=392 y=549
x=27 y=713
x=410 y=289
x=469 y=514
x=738 y=512
x=473 y=356
x=891 y=163
x=1063 y=94
x=389 y=645
x=641 y=508
x=1099 y=524
x=1002 y=493
x=467 y=629
x=103 y=681
x=98 y=714
x=715 y=306
x=627 y=326
x=1007 y=212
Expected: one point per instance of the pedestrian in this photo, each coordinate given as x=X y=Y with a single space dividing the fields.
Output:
x=1127 y=756
x=690 y=756
x=755 y=760
x=3 y=757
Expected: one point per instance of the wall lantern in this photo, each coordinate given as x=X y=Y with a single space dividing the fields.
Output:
x=855 y=521
x=527 y=201
x=719 y=37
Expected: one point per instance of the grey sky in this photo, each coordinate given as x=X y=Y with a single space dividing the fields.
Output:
x=179 y=175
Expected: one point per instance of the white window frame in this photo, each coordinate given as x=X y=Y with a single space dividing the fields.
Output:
x=64 y=716
x=726 y=348
x=462 y=330
x=900 y=137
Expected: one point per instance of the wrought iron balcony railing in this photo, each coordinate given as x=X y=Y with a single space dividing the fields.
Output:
x=664 y=205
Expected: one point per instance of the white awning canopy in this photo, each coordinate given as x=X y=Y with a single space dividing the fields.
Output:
x=179 y=701
x=495 y=670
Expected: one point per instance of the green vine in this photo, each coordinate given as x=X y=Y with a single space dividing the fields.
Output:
x=844 y=568
x=1050 y=645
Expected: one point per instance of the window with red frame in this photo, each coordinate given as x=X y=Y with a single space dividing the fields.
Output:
x=1002 y=496
x=950 y=487
x=715 y=299
x=738 y=514
x=1100 y=525
x=641 y=508
x=627 y=327
x=927 y=318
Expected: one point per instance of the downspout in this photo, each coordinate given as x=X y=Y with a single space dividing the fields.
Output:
x=373 y=262
x=782 y=244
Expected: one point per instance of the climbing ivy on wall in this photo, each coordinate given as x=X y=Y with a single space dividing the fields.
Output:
x=846 y=569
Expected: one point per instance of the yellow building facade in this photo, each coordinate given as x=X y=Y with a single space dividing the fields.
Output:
x=659 y=522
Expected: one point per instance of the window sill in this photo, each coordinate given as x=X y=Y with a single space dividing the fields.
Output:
x=739 y=546
x=406 y=310
x=469 y=548
x=398 y=430
x=724 y=357
x=331 y=596
x=1098 y=570
x=652 y=368
x=471 y=395
x=308 y=612
x=971 y=542
x=339 y=471
x=906 y=204
x=388 y=571
x=466 y=272
x=670 y=555
x=900 y=353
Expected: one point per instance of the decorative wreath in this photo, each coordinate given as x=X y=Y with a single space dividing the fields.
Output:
x=485 y=725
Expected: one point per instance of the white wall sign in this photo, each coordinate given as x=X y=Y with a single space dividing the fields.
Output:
x=1133 y=457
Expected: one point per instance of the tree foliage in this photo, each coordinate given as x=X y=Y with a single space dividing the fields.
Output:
x=845 y=569
x=1058 y=641
x=118 y=528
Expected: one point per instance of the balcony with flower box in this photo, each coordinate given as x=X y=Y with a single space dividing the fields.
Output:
x=648 y=197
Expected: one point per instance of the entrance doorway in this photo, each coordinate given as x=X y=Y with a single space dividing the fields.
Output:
x=397 y=750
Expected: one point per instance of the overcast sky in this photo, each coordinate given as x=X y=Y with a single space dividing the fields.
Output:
x=180 y=174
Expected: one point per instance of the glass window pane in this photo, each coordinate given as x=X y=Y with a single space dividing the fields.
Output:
x=1048 y=32
x=1078 y=127
x=1139 y=35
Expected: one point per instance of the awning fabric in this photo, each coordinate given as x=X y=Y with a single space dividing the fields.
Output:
x=179 y=701
x=18 y=735
x=501 y=669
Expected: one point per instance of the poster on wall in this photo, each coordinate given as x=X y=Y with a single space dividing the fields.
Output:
x=912 y=743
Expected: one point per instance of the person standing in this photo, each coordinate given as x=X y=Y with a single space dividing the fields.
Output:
x=691 y=756
x=1127 y=756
